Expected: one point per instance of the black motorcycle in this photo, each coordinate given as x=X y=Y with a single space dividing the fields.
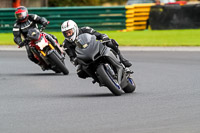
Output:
x=103 y=65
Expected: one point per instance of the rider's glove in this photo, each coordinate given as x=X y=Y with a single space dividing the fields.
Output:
x=45 y=23
x=105 y=37
x=43 y=26
x=63 y=48
x=21 y=44
x=74 y=61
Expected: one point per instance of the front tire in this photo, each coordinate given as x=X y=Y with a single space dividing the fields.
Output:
x=58 y=63
x=130 y=87
x=109 y=81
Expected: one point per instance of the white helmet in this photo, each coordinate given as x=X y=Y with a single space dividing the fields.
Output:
x=68 y=25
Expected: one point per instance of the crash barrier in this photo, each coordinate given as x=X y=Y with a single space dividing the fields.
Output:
x=137 y=16
x=175 y=17
x=97 y=17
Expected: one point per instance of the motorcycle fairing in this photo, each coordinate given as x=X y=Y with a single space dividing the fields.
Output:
x=41 y=43
x=94 y=50
x=88 y=48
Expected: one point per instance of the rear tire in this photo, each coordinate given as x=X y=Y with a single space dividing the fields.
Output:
x=109 y=81
x=58 y=63
x=130 y=87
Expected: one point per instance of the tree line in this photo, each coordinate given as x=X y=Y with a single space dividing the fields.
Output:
x=54 y=3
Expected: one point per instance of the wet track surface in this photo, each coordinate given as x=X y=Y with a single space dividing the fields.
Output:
x=167 y=97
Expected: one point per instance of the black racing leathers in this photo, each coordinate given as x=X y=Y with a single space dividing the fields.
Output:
x=70 y=46
x=22 y=28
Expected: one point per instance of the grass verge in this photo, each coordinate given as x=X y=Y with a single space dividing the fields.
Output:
x=137 y=38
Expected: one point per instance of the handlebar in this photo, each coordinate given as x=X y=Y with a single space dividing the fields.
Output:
x=106 y=41
x=26 y=40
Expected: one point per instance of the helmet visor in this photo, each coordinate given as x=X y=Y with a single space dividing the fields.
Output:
x=20 y=16
x=68 y=33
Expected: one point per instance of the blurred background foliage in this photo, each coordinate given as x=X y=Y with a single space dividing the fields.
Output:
x=53 y=3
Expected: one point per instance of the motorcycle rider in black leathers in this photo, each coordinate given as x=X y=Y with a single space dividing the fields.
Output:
x=23 y=24
x=70 y=31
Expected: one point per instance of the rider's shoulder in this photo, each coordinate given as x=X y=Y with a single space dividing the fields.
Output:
x=87 y=29
x=65 y=41
x=16 y=24
x=32 y=16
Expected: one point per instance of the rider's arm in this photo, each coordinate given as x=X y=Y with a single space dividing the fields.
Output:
x=69 y=49
x=17 y=34
x=91 y=31
x=41 y=20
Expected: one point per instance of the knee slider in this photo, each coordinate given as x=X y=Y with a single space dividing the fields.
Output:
x=82 y=74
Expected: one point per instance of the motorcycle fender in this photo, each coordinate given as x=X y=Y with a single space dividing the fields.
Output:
x=118 y=66
x=112 y=59
x=124 y=81
x=53 y=50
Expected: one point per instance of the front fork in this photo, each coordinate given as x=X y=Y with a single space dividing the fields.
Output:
x=40 y=55
x=61 y=56
x=43 y=53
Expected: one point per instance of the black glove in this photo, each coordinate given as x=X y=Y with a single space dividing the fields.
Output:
x=74 y=61
x=21 y=44
x=105 y=37
x=45 y=23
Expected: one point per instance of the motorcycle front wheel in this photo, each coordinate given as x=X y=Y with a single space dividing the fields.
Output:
x=130 y=87
x=109 y=80
x=58 y=63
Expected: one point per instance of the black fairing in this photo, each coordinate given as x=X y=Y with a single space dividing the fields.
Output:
x=88 y=49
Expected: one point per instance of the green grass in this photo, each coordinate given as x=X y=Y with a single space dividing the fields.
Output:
x=137 y=38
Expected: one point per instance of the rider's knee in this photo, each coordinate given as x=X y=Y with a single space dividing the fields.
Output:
x=33 y=59
x=81 y=73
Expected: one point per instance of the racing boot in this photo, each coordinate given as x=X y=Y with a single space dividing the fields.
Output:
x=81 y=73
x=124 y=61
x=114 y=45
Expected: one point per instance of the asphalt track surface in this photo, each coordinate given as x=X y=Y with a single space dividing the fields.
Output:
x=166 y=100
